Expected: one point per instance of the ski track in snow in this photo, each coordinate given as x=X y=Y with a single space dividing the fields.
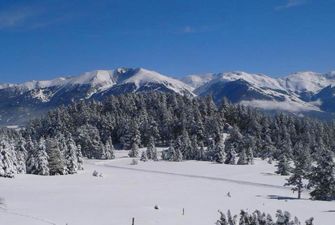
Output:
x=241 y=182
x=7 y=211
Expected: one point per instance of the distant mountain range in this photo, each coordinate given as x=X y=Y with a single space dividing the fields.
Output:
x=304 y=93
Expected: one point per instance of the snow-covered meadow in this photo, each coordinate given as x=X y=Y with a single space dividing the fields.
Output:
x=126 y=191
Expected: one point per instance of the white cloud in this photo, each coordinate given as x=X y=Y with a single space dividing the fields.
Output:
x=288 y=106
x=291 y=4
x=15 y=17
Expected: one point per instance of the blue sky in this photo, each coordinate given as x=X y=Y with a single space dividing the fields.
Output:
x=48 y=38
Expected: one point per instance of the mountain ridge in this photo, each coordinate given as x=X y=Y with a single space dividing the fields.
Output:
x=301 y=92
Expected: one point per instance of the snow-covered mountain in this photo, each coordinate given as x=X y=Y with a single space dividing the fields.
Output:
x=305 y=92
x=19 y=102
x=302 y=92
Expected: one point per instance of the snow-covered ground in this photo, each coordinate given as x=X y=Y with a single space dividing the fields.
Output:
x=127 y=191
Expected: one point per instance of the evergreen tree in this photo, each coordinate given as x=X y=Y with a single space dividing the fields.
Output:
x=283 y=166
x=151 y=148
x=233 y=144
x=321 y=179
x=201 y=154
x=133 y=153
x=37 y=162
x=242 y=160
x=250 y=156
x=219 y=155
x=109 y=149
x=231 y=157
x=144 y=157
x=71 y=156
x=56 y=159
x=299 y=172
x=155 y=155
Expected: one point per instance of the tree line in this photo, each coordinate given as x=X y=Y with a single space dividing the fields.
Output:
x=193 y=128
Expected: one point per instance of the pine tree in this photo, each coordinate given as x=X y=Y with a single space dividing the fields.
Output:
x=242 y=160
x=80 y=158
x=321 y=178
x=37 y=162
x=109 y=149
x=56 y=159
x=250 y=156
x=71 y=156
x=155 y=155
x=194 y=148
x=186 y=146
x=230 y=157
x=144 y=157
x=133 y=153
x=211 y=150
x=21 y=155
x=7 y=160
x=299 y=172
x=234 y=144
x=151 y=148
x=179 y=145
x=283 y=166
x=201 y=152
x=219 y=155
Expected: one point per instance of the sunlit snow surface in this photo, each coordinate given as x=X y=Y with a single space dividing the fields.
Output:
x=127 y=191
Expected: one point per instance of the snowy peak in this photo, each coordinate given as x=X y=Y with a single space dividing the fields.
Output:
x=307 y=81
x=258 y=80
x=142 y=77
x=96 y=78
x=196 y=81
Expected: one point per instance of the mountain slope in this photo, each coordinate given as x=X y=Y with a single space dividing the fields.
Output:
x=305 y=92
x=20 y=102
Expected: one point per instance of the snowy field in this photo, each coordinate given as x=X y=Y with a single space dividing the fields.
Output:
x=127 y=191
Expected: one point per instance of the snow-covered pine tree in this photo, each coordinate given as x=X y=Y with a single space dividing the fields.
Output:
x=179 y=145
x=80 y=158
x=283 y=166
x=133 y=152
x=7 y=159
x=169 y=153
x=71 y=155
x=185 y=146
x=233 y=144
x=299 y=172
x=109 y=149
x=37 y=162
x=155 y=155
x=194 y=148
x=321 y=178
x=144 y=157
x=230 y=157
x=90 y=142
x=201 y=152
x=151 y=148
x=21 y=154
x=219 y=155
x=56 y=159
x=250 y=156
x=242 y=160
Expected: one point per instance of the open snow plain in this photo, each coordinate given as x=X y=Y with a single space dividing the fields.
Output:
x=127 y=191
